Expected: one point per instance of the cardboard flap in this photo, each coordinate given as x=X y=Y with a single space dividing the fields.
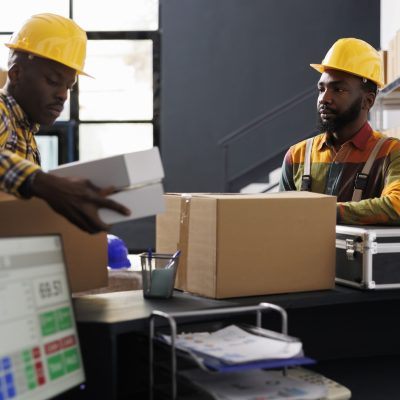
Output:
x=202 y=248
x=6 y=197
x=183 y=243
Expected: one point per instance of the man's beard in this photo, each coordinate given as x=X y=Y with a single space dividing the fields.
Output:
x=341 y=120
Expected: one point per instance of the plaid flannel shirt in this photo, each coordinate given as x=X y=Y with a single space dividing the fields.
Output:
x=19 y=154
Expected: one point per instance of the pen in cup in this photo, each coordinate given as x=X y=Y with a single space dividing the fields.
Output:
x=174 y=256
x=158 y=273
x=149 y=258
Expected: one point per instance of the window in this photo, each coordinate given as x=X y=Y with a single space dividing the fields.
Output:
x=106 y=139
x=118 y=15
x=123 y=84
x=117 y=111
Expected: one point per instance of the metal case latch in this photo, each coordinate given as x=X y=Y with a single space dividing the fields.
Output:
x=350 y=249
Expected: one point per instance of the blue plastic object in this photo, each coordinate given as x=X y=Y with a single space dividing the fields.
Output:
x=117 y=253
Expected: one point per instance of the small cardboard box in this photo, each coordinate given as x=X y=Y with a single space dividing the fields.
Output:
x=136 y=176
x=243 y=245
x=85 y=254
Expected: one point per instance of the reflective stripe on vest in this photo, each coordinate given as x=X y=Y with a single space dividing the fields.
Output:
x=306 y=178
x=362 y=177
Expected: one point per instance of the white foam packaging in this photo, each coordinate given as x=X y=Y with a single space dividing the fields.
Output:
x=137 y=178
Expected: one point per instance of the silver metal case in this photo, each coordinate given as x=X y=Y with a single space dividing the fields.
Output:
x=368 y=257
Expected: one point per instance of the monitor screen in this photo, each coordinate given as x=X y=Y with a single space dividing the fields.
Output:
x=39 y=349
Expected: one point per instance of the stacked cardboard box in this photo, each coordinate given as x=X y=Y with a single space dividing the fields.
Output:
x=85 y=254
x=384 y=55
x=391 y=59
x=135 y=176
x=250 y=244
x=393 y=132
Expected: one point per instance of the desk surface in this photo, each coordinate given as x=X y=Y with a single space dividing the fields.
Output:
x=119 y=307
x=343 y=323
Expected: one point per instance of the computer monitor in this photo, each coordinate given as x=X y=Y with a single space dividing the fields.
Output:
x=57 y=144
x=40 y=355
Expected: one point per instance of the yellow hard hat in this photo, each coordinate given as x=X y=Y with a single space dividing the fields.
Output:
x=54 y=37
x=355 y=57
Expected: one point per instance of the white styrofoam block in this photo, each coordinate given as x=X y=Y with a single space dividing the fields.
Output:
x=120 y=171
x=135 y=176
x=143 y=202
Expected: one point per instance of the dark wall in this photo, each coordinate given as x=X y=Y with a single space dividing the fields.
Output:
x=226 y=63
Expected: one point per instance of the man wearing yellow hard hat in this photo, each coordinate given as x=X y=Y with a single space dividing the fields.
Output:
x=348 y=159
x=46 y=55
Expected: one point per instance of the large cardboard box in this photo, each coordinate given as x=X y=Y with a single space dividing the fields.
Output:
x=136 y=177
x=85 y=254
x=242 y=245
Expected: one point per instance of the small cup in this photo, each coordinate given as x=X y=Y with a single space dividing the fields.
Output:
x=158 y=273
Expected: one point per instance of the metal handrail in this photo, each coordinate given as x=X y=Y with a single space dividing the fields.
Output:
x=247 y=129
x=270 y=156
x=389 y=88
x=267 y=116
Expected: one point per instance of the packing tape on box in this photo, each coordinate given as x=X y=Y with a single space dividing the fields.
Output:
x=183 y=244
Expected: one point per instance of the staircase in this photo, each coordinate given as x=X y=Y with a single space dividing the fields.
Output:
x=271 y=186
x=252 y=155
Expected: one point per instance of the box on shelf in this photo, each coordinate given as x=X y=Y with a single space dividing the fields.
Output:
x=393 y=132
x=236 y=245
x=384 y=57
x=136 y=177
x=390 y=59
x=85 y=254
x=368 y=257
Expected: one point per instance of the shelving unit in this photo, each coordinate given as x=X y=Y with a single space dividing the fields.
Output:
x=172 y=319
x=388 y=99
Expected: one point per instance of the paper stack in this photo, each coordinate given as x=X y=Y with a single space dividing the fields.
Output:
x=251 y=385
x=233 y=348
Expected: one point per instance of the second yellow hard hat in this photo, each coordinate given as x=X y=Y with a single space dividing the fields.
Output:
x=356 y=57
x=54 y=37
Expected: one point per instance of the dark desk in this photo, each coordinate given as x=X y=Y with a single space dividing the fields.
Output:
x=337 y=325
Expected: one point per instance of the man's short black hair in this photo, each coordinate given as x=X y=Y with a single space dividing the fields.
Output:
x=368 y=86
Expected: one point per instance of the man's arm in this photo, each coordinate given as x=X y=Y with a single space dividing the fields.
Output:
x=14 y=170
x=286 y=181
x=78 y=200
x=380 y=210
